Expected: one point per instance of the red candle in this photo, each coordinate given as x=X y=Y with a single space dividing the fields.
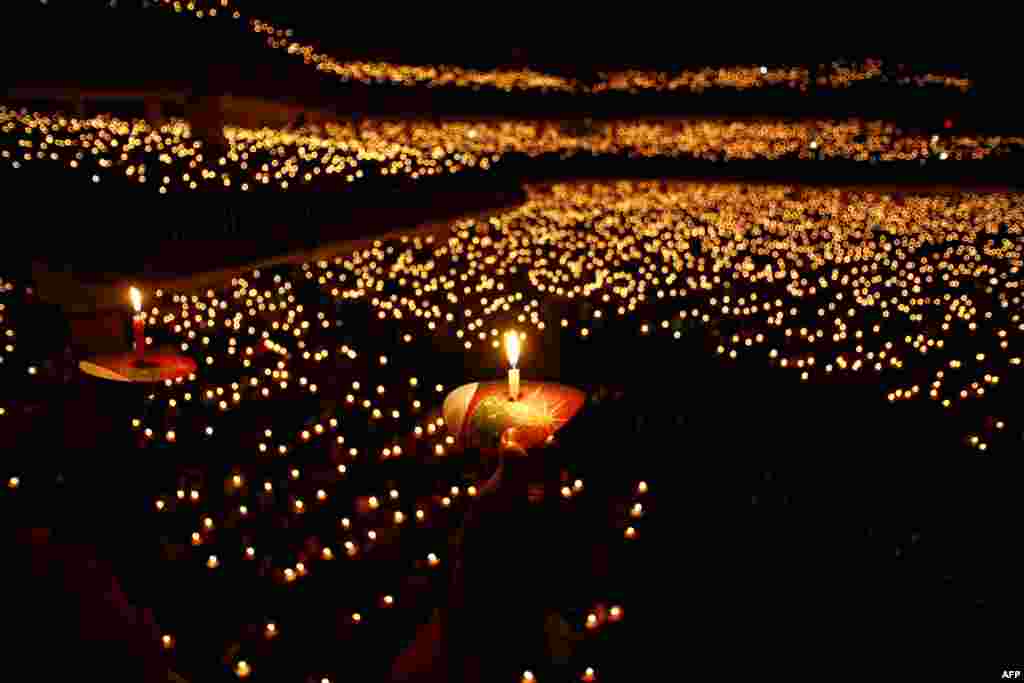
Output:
x=138 y=325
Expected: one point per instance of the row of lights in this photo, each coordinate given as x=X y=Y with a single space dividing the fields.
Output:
x=739 y=77
x=169 y=157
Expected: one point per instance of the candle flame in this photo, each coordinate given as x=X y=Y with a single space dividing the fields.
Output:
x=136 y=300
x=512 y=347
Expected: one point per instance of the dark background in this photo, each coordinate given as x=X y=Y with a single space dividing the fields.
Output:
x=818 y=529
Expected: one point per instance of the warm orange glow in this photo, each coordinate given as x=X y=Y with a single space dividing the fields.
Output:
x=136 y=296
x=512 y=348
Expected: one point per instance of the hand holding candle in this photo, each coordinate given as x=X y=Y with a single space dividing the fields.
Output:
x=512 y=351
x=138 y=325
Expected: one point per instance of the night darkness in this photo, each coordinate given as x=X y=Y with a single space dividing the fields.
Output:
x=788 y=292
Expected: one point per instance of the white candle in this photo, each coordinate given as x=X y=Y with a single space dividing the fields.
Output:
x=136 y=297
x=512 y=351
x=138 y=324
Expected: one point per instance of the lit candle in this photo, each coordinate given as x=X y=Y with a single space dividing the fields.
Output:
x=512 y=351
x=138 y=325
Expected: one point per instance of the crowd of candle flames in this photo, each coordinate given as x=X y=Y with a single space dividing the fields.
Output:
x=168 y=157
x=837 y=74
x=919 y=290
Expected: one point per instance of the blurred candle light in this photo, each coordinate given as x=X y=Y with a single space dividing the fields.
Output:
x=138 y=325
x=512 y=352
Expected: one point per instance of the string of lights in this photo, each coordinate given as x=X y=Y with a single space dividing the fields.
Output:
x=839 y=74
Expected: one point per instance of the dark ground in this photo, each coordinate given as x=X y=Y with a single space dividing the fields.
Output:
x=791 y=527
